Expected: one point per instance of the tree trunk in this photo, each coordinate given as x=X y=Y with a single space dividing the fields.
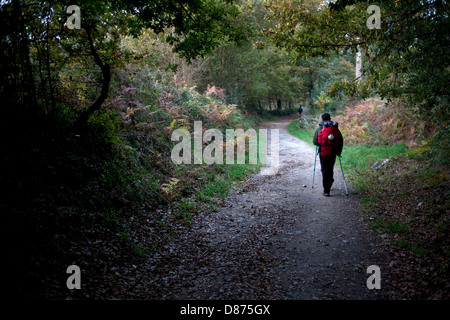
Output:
x=106 y=72
x=358 y=67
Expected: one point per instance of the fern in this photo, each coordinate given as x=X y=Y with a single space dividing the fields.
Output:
x=170 y=188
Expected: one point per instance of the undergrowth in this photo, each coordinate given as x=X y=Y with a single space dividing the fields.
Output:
x=109 y=191
x=407 y=199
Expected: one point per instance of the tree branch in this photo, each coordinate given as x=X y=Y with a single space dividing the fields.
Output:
x=106 y=72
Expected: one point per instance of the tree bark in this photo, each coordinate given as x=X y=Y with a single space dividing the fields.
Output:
x=106 y=72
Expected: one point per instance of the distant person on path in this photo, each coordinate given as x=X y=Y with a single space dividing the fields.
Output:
x=301 y=120
x=330 y=142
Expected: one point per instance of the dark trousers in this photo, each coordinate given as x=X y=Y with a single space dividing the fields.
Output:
x=327 y=165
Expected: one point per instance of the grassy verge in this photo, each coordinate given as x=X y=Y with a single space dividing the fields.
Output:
x=407 y=201
x=217 y=184
x=213 y=183
x=305 y=134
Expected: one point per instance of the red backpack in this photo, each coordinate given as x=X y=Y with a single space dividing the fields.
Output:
x=330 y=139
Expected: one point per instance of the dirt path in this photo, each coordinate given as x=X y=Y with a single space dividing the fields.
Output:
x=273 y=239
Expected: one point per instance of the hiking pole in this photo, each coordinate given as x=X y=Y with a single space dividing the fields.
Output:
x=346 y=192
x=314 y=174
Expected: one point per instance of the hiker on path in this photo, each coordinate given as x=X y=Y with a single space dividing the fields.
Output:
x=301 y=120
x=330 y=142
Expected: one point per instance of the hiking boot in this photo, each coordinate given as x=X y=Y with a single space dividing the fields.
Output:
x=326 y=194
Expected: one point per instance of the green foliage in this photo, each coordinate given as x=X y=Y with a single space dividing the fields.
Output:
x=56 y=64
x=405 y=58
x=393 y=226
x=105 y=124
x=361 y=157
x=132 y=181
x=440 y=145
x=198 y=25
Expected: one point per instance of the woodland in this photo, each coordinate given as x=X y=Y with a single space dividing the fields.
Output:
x=90 y=97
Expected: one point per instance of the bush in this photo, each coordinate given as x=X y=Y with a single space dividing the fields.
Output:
x=376 y=122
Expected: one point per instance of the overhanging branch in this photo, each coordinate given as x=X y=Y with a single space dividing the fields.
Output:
x=106 y=72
